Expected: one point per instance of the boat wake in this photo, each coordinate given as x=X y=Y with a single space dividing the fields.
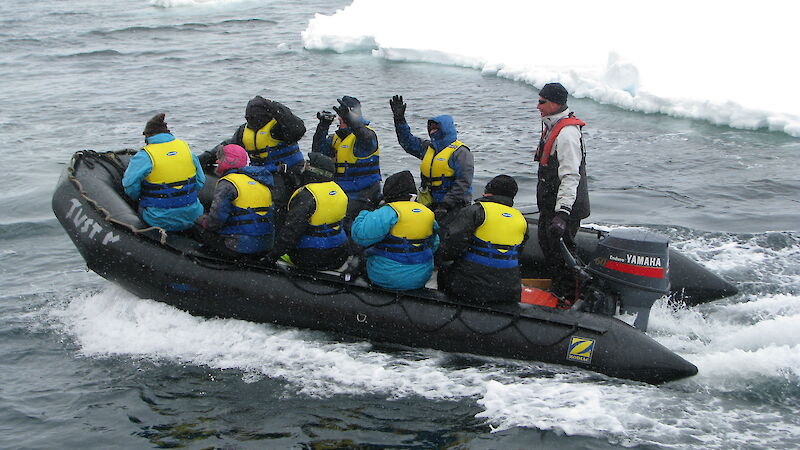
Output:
x=740 y=344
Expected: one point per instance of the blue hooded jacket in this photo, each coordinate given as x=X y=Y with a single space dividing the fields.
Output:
x=371 y=227
x=447 y=132
x=462 y=161
x=170 y=219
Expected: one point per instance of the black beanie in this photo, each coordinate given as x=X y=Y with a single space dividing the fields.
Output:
x=554 y=92
x=257 y=107
x=399 y=187
x=155 y=126
x=502 y=185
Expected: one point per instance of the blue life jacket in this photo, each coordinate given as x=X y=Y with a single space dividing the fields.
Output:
x=252 y=213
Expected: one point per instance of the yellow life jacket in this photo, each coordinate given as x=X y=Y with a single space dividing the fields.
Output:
x=252 y=212
x=408 y=241
x=331 y=202
x=325 y=230
x=249 y=193
x=435 y=167
x=171 y=182
x=172 y=162
x=350 y=165
x=414 y=221
x=264 y=149
x=496 y=241
x=260 y=140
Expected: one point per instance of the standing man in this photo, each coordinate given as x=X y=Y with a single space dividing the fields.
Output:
x=354 y=148
x=447 y=165
x=562 y=192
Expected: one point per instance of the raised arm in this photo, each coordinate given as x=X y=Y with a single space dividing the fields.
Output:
x=290 y=128
x=321 y=143
x=411 y=144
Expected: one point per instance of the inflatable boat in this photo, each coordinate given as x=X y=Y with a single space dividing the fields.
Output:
x=175 y=269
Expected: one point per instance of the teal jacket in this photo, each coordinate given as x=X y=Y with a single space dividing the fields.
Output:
x=370 y=227
x=170 y=219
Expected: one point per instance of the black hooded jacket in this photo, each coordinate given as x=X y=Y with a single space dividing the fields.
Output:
x=289 y=128
x=467 y=281
x=298 y=216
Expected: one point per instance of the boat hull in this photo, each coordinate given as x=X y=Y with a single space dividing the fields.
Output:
x=117 y=246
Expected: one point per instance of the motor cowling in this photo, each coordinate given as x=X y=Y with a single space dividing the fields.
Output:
x=635 y=265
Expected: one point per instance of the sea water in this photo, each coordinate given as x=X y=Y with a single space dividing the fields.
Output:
x=85 y=364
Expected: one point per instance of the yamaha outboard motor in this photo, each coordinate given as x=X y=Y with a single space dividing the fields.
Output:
x=634 y=264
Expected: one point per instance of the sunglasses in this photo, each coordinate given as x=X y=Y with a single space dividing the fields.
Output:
x=542 y=102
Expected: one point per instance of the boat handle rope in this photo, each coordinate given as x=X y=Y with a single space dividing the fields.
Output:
x=566 y=335
x=499 y=329
x=425 y=329
x=309 y=291
x=104 y=212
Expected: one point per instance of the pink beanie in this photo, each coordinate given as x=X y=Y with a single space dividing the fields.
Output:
x=231 y=156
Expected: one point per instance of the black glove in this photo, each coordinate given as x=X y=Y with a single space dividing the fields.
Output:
x=346 y=113
x=281 y=168
x=558 y=225
x=398 y=108
x=325 y=117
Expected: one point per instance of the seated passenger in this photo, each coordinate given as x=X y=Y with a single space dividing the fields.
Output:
x=313 y=235
x=401 y=235
x=484 y=241
x=240 y=220
x=165 y=177
x=354 y=147
x=270 y=136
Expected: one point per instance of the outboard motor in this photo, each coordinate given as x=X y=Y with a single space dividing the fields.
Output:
x=634 y=264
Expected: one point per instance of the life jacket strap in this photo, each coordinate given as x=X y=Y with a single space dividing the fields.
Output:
x=243 y=212
x=169 y=195
x=484 y=244
x=358 y=164
x=394 y=244
x=504 y=257
x=403 y=249
x=326 y=230
x=159 y=186
x=260 y=219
